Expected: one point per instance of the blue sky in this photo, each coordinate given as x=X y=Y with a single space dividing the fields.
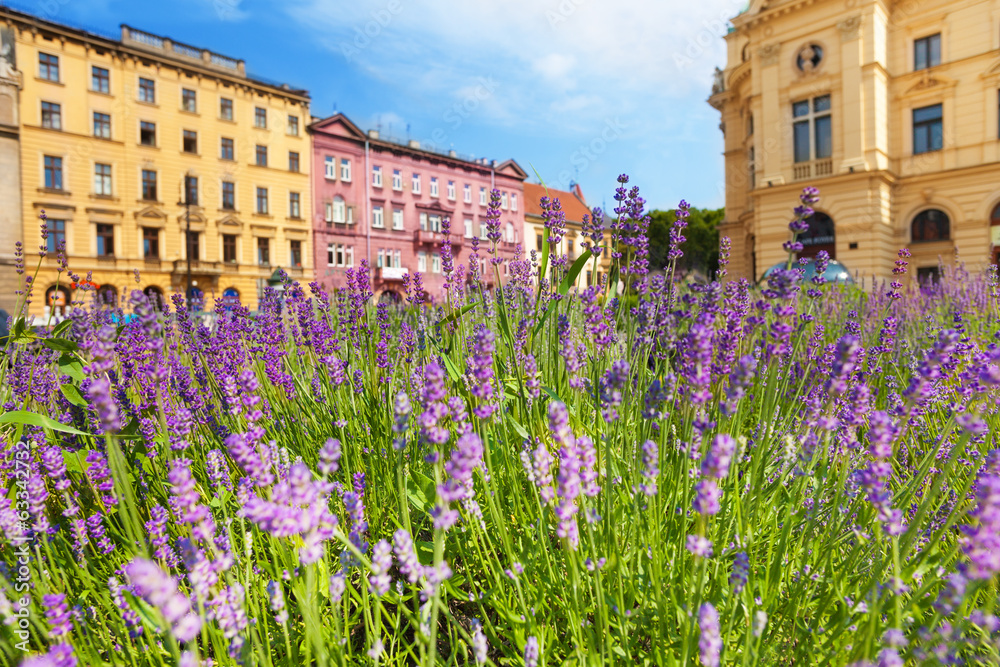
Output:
x=575 y=89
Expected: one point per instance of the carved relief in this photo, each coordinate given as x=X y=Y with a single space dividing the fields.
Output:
x=850 y=28
x=769 y=54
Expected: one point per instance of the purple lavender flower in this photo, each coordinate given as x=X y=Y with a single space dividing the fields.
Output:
x=740 y=573
x=699 y=545
x=160 y=590
x=380 y=581
x=710 y=640
x=480 y=647
x=981 y=543
x=57 y=615
x=531 y=652
x=277 y=598
x=406 y=556
x=706 y=497
x=329 y=457
x=650 y=468
x=720 y=456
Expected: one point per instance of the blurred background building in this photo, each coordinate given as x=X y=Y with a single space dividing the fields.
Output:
x=891 y=109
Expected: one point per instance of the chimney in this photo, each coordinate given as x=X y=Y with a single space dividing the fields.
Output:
x=452 y=153
x=579 y=193
x=413 y=143
x=373 y=134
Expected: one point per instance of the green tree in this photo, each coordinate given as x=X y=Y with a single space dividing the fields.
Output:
x=701 y=249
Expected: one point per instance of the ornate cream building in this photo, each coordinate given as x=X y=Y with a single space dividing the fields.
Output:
x=891 y=109
x=127 y=144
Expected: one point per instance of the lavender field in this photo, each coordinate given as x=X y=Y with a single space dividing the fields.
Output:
x=642 y=472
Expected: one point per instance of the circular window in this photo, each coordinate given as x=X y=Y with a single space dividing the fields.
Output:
x=809 y=57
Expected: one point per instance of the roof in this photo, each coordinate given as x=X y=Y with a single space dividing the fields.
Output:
x=573 y=203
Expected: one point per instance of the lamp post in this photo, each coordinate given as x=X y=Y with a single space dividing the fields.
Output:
x=187 y=234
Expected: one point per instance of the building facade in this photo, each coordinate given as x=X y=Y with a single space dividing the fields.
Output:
x=385 y=201
x=574 y=207
x=891 y=109
x=145 y=153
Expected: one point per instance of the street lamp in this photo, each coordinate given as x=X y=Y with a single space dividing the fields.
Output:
x=186 y=190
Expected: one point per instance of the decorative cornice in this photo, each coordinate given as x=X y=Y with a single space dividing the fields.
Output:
x=769 y=54
x=850 y=28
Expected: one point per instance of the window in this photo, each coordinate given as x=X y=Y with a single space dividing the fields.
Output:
x=339 y=255
x=102 y=180
x=422 y=261
x=105 y=240
x=147 y=133
x=468 y=228
x=812 y=129
x=100 y=80
x=380 y=259
x=147 y=90
x=225 y=108
x=928 y=129
x=295 y=253
x=434 y=187
x=193 y=246
x=294 y=205
x=229 y=248
x=377 y=176
x=752 y=167
x=397 y=180
x=191 y=190
x=51 y=116
x=510 y=233
x=467 y=193
x=345 y=170
x=228 y=195
x=397 y=259
x=260 y=117
x=190 y=141
x=148 y=185
x=435 y=263
x=328 y=212
x=53 y=172
x=48 y=67
x=330 y=167
x=397 y=218
x=513 y=201
x=538 y=242
x=928 y=275
x=482 y=196
x=570 y=252
x=57 y=235
x=293 y=125
x=435 y=223
x=189 y=100
x=261 y=156
x=378 y=219
x=451 y=190
x=750 y=125
x=262 y=201
x=102 y=125
x=293 y=161
x=416 y=184
x=503 y=201
x=927 y=52
x=264 y=251
x=339 y=210
x=227 y=150
x=150 y=243
x=930 y=225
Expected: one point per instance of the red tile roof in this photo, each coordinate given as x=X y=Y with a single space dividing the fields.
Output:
x=573 y=204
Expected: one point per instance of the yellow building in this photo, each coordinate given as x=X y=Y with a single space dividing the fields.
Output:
x=890 y=108
x=128 y=144
x=574 y=206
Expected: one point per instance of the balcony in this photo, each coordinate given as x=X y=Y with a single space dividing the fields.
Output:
x=197 y=266
x=814 y=169
x=387 y=273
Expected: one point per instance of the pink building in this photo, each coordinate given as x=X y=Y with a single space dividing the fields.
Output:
x=385 y=201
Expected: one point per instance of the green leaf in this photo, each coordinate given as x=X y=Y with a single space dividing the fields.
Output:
x=456 y=376
x=521 y=431
x=60 y=344
x=71 y=366
x=32 y=419
x=457 y=314
x=61 y=327
x=73 y=395
x=574 y=272
x=19 y=327
x=73 y=459
x=420 y=491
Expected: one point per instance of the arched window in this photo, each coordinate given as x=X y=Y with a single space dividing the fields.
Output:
x=995 y=216
x=746 y=52
x=821 y=236
x=155 y=296
x=57 y=300
x=230 y=298
x=930 y=225
x=107 y=296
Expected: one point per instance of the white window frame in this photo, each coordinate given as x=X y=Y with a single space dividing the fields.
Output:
x=422 y=261
x=397 y=218
x=330 y=168
x=416 y=184
x=482 y=196
x=513 y=201
x=380 y=259
x=503 y=200
x=423 y=222
x=339 y=210
x=468 y=228
x=377 y=176
x=328 y=212
x=451 y=190
x=345 y=170
x=467 y=194
x=378 y=217
x=435 y=263
x=100 y=179
x=510 y=232
x=434 y=186
x=397 y=180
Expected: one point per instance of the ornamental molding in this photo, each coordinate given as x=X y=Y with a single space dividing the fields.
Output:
x=850 y=28
x=769 y=54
